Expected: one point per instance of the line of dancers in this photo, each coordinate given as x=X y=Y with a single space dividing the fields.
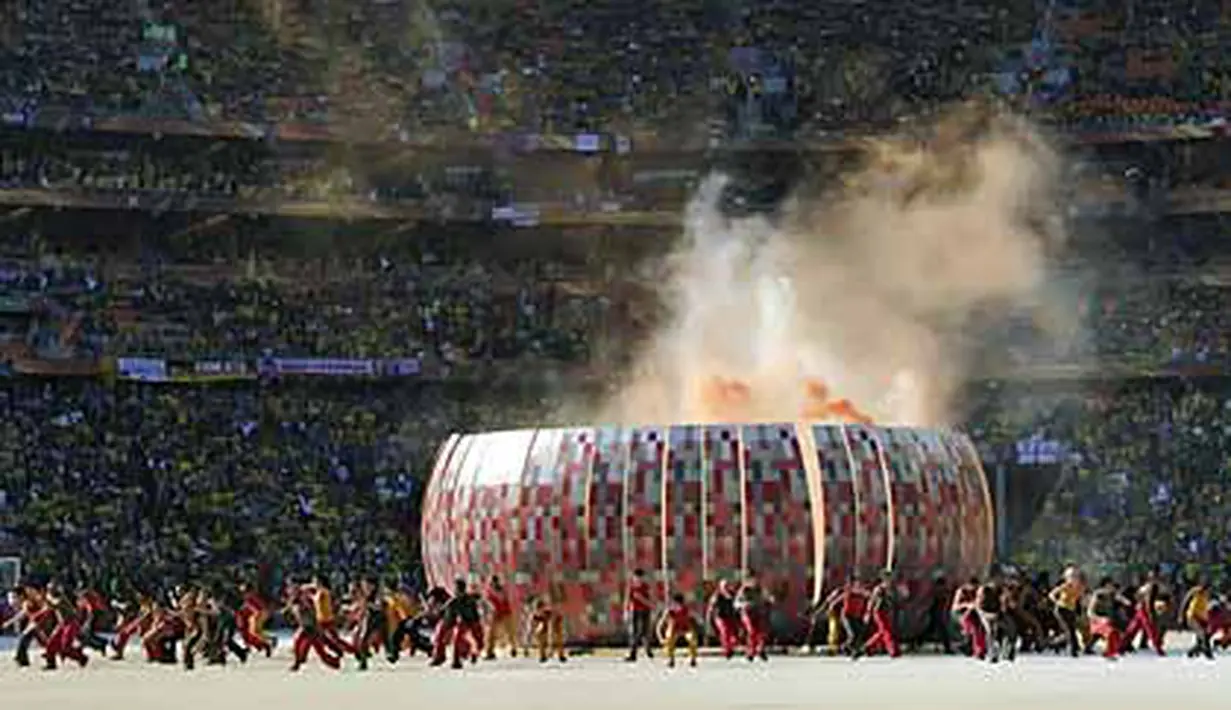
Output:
x=992 y=619
x=216 y=624
x=996 y=618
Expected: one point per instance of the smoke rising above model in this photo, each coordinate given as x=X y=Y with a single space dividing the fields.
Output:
x=861 y=303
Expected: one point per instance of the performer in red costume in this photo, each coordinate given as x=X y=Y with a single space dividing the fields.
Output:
x=753 y=604
x=967 y=615
x=301 y=608
x=881 y=608
x=721 y=614
x=502 y=622
x=462 y=626
x=1148 y=596
x=638 y=606
x=64 y=641
x=1101 y=613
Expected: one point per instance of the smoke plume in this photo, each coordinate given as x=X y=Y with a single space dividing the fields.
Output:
x=868 y=302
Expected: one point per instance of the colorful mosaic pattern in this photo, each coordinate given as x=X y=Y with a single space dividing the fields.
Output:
x=802 y=505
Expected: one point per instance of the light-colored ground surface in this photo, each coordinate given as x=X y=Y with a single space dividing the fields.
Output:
x=916 y=683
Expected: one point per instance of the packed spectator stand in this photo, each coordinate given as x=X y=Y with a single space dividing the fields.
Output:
x=208 y=389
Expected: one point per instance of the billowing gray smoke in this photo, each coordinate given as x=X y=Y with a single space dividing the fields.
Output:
x=858 y=304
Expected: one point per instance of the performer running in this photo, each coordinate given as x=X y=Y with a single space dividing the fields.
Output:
x=419 y=629
x=369 y=622
x=64 y=640
x=301 y=609
x=326 y=620
x=638 y=606
x=1195 y=611
x=677 y=622
x=989 y=604
x=882 y=606
x=852 y=611
x=753 y=605
x=461 y=626
x=1066 y=597
x=1148 y=597
x=250 y=620
x=133 y=615
x=1101 y=612
x=502 y=622
x=222 y=627
x=91 y=605
x=196 y=625
x=966 y=614
x=938 y=627
x=34 y=621
x=547 y=628
x=723 y=617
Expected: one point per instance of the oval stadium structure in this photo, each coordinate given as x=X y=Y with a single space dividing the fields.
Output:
x=802 y=505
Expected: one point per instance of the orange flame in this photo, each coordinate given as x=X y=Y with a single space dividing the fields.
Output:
x=729 y=399
x=818 y=405
x=726 y=398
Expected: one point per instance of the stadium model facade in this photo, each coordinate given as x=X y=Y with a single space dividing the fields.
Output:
x=802 y=505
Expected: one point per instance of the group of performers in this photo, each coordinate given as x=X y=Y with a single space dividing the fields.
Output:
x=216 y=624
x=997 y=617
x=991 y=619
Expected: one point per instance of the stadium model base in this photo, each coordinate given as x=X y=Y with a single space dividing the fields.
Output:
x=803 y=505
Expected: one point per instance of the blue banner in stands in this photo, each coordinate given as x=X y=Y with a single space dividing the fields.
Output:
x=313 y=366
x=401 y=367
x=143 y=369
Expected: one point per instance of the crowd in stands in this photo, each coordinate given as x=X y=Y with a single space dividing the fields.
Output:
x=568 y=67
x=448 y=314
x=167 y=480
x=1144 y=469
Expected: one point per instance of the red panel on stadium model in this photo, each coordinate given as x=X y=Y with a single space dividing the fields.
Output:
x=802 y=505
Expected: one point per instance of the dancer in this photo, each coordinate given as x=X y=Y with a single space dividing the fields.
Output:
x=196 y=626
x=461 y=627
x=1065 y=597
x=502 y=622
x=547 y=628
x=990 y=608
x=370 y=630
x=250 y=620
x=133 y=618
x=853 y=609
x=64 y=640
x=723 y=617
x=966 y=613
x=399 y=607
x=34 y=621
x=1101 y=612
x=882 y=606
x=1143 y=621
x=419 y=629
x=1023 y=606
x=164 y=630
x=938 y=615
x=677 y=622
x=221 y=628
x=638 y=605
x=300 y=608
x=91 y=605
x=753 y=605
x=1195 y=612
x=326 y=620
